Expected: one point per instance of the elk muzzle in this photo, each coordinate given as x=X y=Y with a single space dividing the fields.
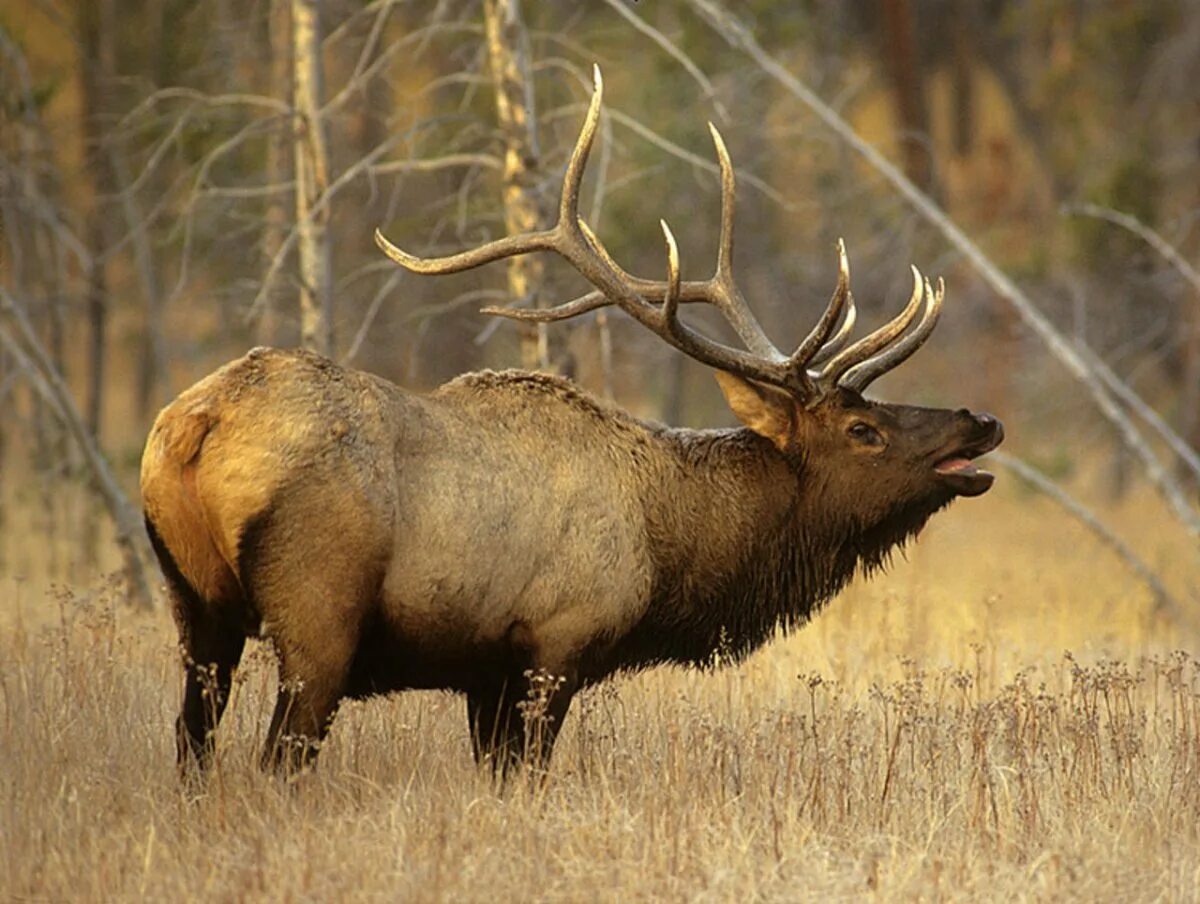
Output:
x=955 y=466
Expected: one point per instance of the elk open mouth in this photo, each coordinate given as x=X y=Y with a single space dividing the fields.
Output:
x=958 y=470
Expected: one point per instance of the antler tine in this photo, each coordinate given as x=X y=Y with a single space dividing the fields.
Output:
x=861 y=375
x=568 y=204
x=557 y=239
x=725 y=294
x=728 y=203
x=816 y=341
x=670 y=306
x=565 y=311
x=499 y=249
x=839 y=339
x=874 y=342
x=719 y=290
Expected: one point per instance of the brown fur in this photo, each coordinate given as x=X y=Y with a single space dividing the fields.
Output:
x=506 y=522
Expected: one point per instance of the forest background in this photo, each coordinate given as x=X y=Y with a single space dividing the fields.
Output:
x=181 y=180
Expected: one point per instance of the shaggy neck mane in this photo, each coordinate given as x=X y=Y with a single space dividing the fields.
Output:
x=767 y=551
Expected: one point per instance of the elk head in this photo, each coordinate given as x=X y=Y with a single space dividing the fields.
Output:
x=873 y=461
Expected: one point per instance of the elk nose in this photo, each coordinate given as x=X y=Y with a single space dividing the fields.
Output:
x=982 y=420
x=990 y=425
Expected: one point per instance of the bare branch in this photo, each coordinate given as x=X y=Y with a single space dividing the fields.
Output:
x=622 y=8
x=1145 y=233
x=434 y=164
x=665 y=144
x=45 y=211
x=361 y=76
x=364 y=164
x=206 y=100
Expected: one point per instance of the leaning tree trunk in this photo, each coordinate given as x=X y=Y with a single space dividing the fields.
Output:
x=508 y=53
x=48 y=383
x=312 y=179
x=737 y=35
x=1189 y=396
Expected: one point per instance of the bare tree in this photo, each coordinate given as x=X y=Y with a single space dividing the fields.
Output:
x=312 y=179
x=508 y=53
x=903 y=65
x=98 y=64
x=278 y=46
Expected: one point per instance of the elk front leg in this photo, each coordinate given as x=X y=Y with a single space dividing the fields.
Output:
x=516 y=720
x=497 y=729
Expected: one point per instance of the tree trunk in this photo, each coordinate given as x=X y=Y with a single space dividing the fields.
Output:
x=508 y=54
x=962 y=29
x=279 y=50
x=1189 y=397
x=676 y=390
x=908 y=85
x=95 y=23
x=311 y=162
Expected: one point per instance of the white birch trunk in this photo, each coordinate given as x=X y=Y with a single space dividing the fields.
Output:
x=312 y=179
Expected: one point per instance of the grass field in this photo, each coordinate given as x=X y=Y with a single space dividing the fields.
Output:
x=929 y=737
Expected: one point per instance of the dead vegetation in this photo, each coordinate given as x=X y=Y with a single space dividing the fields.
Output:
x=926 y=738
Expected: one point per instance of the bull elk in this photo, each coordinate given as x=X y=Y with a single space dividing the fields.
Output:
x=509 y=525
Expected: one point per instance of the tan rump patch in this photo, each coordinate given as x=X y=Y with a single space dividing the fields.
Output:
x=173 y=505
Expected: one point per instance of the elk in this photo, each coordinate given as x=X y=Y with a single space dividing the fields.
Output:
x=509 y=526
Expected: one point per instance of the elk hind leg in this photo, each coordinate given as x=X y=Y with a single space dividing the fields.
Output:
x=212 y=649
x=211 y=638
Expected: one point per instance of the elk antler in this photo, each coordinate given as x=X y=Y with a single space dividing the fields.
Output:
x=655 y=304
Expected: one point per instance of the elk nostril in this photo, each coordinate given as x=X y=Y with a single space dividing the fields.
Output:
x=991 y=426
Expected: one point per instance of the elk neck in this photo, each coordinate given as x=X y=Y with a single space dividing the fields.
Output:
x=745 y=542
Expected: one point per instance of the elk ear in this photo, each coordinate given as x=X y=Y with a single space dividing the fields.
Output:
x=768 y=411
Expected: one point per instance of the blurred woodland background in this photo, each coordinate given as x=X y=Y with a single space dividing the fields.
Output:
x=181 y=180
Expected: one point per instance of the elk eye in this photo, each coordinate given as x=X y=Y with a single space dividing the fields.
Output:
x=865 y=434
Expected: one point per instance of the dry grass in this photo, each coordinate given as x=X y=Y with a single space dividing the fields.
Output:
x=926 y=738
